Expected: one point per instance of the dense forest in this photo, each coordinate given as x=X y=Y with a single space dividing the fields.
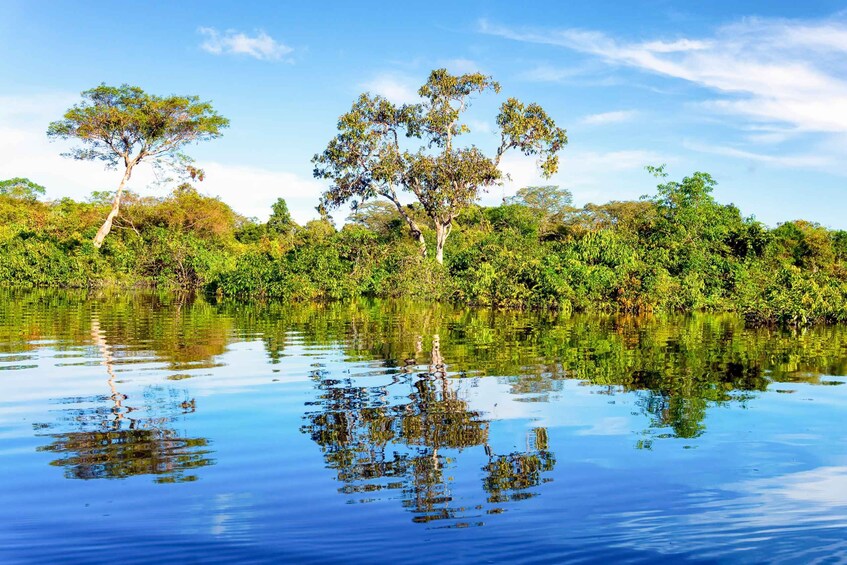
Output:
x=678 y=250
x=410 y=185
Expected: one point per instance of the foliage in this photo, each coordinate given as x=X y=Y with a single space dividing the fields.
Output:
x=370 y=158
x=21 y=188
x=676 y=367
x=280 y=221
x=550 y=204
x=126 y=126
x=678 y=251
x=119 y=125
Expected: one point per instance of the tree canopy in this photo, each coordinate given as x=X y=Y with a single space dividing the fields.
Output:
x=280 y=221
x=373 y=154
x=23 y=188
x=125 y=126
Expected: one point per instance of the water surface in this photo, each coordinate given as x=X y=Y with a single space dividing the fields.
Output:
x=144 y=428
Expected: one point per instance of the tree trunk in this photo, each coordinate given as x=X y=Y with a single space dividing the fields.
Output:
x=441 y=233
x=416 y=233
x=116 y=207
x=413 y=226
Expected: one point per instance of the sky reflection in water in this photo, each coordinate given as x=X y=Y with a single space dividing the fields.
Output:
x=180 y=429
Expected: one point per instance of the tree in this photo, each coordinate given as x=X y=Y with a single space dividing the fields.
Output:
x=126 y=126
x=367 y=159
x=378 y=216
x=550 y=203
x=280 y=221
x=21 y=188
x=549 y=200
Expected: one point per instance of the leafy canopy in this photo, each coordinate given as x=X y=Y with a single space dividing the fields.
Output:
x=22 y=188
x=280 y=221
x=374 y=153
x=125 y=124
x=550 y=200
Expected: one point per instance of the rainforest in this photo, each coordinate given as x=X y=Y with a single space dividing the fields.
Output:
x=677 y=250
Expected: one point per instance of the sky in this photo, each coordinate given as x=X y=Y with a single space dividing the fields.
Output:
x=754 y=93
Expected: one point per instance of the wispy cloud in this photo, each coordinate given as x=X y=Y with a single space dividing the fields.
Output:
x=769 y=71
x=230 y=42
x=399 y=89
x=804 y=161
x=550 y=73
x=605 y=118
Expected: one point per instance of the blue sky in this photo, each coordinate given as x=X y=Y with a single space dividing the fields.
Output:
x=754 y=93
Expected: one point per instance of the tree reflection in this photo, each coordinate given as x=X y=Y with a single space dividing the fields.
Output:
x=379 y=439
x=510 y=476
x=401 y=435
x=113 y=440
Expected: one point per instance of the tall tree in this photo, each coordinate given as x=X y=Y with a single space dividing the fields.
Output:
x=368 y=158
x=280 y=221
x=124 y=126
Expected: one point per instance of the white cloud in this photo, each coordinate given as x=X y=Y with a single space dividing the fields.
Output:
x=678 y=46
x=399 y=89
x=481 y=126
x=252 y=190
x=760 y=509
x=592 y=176
x=819 y=161
x=763 y=134
x=259 y=46
x=605 y=118
x=776 y=71
x=41 y=108
x=29 y=153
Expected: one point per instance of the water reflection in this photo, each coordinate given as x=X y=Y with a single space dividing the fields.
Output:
x=569 y=438
x=406 y=438
x=400 y=433
x=509 y=477
x=111 y=437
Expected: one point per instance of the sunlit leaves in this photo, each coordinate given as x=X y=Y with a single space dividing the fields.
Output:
x=531 y=131
x=374 y=152
x=124 y=123
x=21 y=188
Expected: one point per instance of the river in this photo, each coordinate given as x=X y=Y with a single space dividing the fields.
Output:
x=142 y=427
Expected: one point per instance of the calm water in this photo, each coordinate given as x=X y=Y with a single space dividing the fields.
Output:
x=141 y=428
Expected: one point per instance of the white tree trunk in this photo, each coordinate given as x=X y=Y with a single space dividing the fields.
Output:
x=441 y=233
x=417 y=234
x=116 y=208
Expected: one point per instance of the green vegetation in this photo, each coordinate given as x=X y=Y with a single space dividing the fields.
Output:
x=367 y=159
x=679 y=366
x=399 y=417
x=679 y=250
x=126 y=126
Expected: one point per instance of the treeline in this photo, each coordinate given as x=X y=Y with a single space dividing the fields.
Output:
x=678 y=250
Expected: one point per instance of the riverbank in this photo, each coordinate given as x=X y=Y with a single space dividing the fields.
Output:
x=644 y=256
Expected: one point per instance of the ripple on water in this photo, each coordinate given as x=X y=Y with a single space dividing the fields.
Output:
x=181 y=429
